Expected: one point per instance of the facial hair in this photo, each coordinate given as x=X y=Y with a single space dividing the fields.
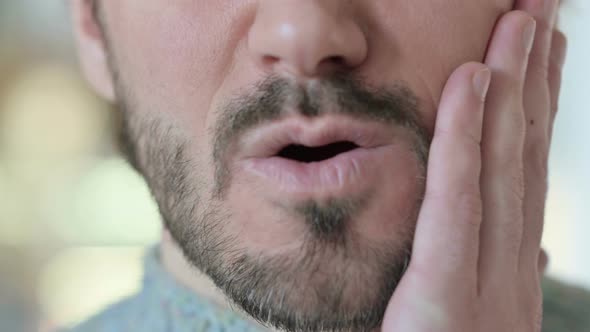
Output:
x=289 y=291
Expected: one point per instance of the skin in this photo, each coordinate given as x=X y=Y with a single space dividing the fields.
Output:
x=476 y=260
x=503 y=182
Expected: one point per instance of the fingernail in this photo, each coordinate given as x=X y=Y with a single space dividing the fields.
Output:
x=529 y=35
x=481 y=82
x=559 y=58
x=559 y=54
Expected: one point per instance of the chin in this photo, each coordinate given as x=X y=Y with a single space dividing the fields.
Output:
x=325 y=257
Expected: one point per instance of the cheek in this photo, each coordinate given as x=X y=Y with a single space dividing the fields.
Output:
x=174 y=56
x=447 y=41
x=423 y=42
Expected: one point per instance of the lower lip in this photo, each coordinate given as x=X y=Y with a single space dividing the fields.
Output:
x=347 y=170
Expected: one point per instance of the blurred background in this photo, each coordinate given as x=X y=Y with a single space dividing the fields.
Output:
x=75 y=219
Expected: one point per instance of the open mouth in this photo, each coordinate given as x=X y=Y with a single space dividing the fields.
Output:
x=305 y=141
x=306 y=154
x=327 y=155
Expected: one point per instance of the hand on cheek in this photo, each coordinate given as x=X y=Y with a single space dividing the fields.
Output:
x=476 y=261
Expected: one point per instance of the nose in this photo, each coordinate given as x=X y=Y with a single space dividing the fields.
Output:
x=306 y=38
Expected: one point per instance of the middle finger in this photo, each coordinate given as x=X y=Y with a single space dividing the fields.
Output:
x=502 y=145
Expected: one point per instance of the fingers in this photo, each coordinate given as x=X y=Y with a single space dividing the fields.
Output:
x=502 y=184
x=537 y=106
x=536 y=96
x=451 y=212
x=545 y=14
x=556 y=62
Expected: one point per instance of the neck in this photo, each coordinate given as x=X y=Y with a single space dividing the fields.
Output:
x=181 y=269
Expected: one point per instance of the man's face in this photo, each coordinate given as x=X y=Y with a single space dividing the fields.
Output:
x=285 y=141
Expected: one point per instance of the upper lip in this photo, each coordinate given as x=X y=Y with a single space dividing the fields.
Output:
x=268 y=140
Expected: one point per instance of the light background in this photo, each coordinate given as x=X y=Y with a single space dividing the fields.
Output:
x=74 y=219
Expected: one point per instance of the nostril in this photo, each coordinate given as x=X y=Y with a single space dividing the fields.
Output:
x=327 y=64
x=335 y=60
x=270 y=60
x=332 y=64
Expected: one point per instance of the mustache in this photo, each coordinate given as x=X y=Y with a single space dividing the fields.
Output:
x=276 y=97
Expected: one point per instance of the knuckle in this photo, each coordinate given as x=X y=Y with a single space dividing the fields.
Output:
x=504 y=158
x=538 y=66
x=517 y=188
x=511 y=201
x=513 y=83
x=538 y=69
x=511 y=234
x=505 y=153
x=464 y=205
x=470 y=207
x=512 y=224
x=463 y=135
x=514 y=218
x=516 y=115
x=537 y=159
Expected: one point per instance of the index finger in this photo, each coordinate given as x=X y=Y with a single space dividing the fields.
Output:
x=451 y=212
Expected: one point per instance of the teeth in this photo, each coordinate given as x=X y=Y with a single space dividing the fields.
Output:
x=306 y=154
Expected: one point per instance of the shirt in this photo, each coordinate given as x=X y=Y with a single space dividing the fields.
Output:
x=164 y=305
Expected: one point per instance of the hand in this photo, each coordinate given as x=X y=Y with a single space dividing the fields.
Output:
x=476 y=256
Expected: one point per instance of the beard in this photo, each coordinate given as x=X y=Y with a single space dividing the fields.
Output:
x=336 y=279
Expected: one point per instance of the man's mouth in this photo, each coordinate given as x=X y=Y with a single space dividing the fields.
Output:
x=306 y=154
x=325 y=155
